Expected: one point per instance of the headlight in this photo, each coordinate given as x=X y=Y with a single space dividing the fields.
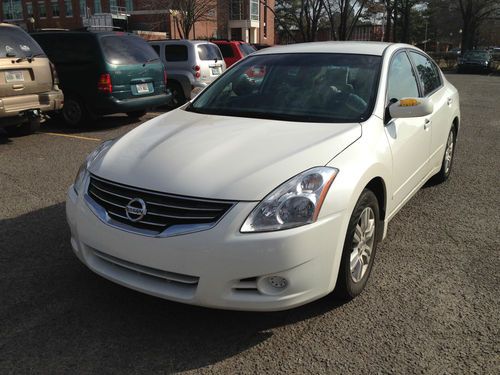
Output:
x=83 y=170
x=296 y=202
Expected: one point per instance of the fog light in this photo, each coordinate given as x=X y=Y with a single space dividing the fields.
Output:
x=277 y=282
x=272 y=285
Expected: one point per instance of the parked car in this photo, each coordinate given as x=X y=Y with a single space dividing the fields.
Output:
x=475 y=61
x=259 y=46
x=191 y=66
x=455 y=51
x=265 y=195
x=28 y=81
x=103 y=73
x=233 y=50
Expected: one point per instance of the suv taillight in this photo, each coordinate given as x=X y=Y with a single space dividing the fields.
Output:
x=53 y=72
x=104 y=84
x=196 y=69
x=165 y=76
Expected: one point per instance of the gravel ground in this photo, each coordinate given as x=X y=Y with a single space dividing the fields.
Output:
x=432 y=304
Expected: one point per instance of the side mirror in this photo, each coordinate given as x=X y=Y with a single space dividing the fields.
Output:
x=411 y=107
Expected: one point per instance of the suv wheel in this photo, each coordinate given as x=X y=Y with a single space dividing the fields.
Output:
x=29 y=127
x=178 y=97
x=73 y=111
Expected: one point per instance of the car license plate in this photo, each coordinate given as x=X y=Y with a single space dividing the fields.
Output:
x=216 y=70
x=14 y=76
x=142 y=88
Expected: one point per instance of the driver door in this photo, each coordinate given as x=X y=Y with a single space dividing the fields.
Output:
x=409 y=138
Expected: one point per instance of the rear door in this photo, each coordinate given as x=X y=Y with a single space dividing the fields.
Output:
x=135 y=68
x=433 y=88
x=228 y=53
x=24 y=68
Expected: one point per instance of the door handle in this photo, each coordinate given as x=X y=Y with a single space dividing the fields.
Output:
x=18 y=87
x=450 y=100
x=427 y=124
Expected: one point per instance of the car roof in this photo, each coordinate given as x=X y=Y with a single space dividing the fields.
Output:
x=365 y=48
x=179 y=41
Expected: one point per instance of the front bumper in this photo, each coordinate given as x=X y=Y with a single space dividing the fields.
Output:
x=220 y=267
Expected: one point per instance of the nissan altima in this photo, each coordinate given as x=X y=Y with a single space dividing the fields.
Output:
x=268 y=191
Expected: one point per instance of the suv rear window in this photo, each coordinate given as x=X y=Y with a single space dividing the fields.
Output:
x=176 y=52
x=209 y=52
x=127 y=50
x=15 y=42
x=227 y=50
x=246 y=49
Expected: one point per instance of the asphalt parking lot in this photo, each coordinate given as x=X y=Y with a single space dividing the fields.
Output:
x=431 y=306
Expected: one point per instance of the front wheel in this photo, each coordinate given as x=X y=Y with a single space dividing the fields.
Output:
x=359 y=247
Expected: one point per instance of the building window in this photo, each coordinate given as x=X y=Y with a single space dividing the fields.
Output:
x=42 y=9
x=129 y=5
x=113 y=6
x=97 y=6
x=254 y=10
x=29 y=10
x=54 y=5
x=265 y=18
x=69 y=8
x=12 y=10
x=83 y=8
x=236 y=9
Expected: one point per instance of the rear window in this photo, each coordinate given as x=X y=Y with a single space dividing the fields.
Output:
x=176 y=52
x=127 y=50
x=227 y=50
x=246 y=49
x=156 y=48
x=209 y=52
x=15 y=42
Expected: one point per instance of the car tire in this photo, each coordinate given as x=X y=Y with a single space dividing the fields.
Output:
x=178 y=97
x=359 y=247
x=73 y=112
x=136 y=114
x=447 y=163
x=26 y=128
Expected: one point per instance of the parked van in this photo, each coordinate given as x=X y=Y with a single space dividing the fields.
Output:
x=28 y=82
x=191 y=66
x=105 y=72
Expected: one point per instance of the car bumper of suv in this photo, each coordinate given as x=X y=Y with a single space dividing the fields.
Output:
x=219 y=267
x=17 y=106
x=110 y=104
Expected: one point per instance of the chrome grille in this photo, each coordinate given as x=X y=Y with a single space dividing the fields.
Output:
x=163 y=210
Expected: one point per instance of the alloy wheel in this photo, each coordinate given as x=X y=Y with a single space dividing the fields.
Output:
x=362 y=246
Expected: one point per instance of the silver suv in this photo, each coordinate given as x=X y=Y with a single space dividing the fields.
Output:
x=191 y=66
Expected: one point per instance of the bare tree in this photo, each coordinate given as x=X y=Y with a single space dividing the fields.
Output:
x=187 y=13
x=474 y=13
x=300 y=19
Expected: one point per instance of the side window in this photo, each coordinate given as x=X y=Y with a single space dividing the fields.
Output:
x=401 y=81
x=156 y=48
x=227 y=50
x=427 y=71
x=176 y=52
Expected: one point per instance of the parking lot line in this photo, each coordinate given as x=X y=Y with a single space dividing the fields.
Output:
x=72 y=136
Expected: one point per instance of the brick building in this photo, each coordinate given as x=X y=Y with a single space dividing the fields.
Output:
x=248 y=20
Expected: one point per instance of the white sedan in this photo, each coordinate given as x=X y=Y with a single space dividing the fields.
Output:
x=273 y=187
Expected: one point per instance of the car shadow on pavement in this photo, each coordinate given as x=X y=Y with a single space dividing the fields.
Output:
x=99 y=124
x=58 y=315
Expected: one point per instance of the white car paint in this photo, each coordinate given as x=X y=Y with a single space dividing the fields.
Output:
x=243 y=160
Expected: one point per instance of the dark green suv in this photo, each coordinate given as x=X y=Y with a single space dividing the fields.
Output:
x=102 y=73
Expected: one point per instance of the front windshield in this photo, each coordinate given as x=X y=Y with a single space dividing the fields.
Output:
x=476 y=55
x=299 y=87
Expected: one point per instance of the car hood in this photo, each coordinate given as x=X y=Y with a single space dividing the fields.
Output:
x=220 y=157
